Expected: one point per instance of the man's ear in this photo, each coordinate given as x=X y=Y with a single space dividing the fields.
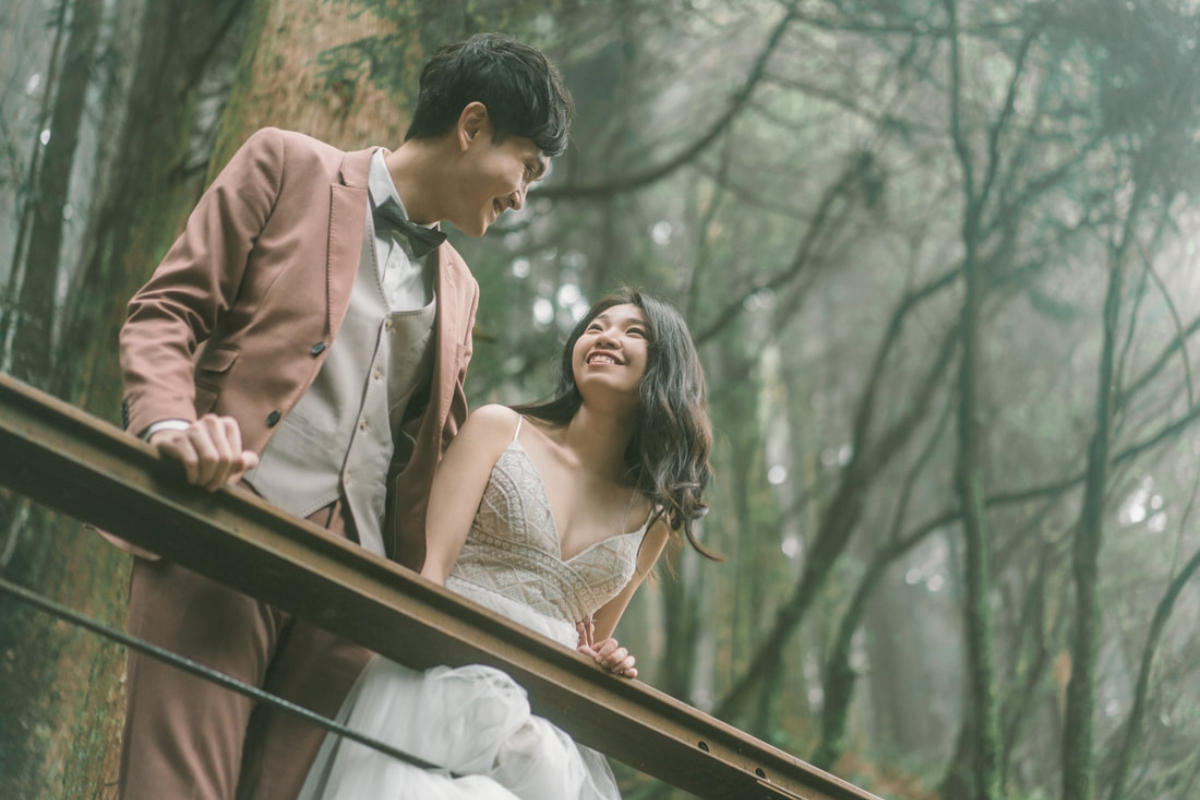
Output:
x=473 y=123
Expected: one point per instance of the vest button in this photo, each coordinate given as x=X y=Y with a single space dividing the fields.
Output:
x=318 y=348
x=272 y=419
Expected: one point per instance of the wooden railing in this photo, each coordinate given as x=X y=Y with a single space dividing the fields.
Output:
x=76 y=464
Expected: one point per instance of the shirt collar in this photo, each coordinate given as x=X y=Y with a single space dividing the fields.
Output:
x=380 y=185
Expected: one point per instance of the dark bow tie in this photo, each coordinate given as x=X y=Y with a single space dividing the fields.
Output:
x=421 y=240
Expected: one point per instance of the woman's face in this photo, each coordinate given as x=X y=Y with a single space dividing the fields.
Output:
x=612 y=353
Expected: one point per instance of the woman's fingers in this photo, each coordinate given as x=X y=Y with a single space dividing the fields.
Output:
x=615 y=658
x=586 y=629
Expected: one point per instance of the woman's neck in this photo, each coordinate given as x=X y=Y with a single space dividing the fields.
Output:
x=599 y=440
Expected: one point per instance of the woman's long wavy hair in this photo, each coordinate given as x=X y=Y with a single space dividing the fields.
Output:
x=667 y=457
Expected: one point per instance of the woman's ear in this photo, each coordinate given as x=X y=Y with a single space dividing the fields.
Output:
x=473 y=123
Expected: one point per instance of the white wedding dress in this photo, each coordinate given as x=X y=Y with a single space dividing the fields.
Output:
x=475 y=721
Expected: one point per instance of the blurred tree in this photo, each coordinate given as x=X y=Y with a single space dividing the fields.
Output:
x=38 y=266
x=64 y=687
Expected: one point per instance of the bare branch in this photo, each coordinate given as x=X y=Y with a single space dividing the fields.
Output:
x=1010 y=99
x=654 y=174
x=802 y=258
x=1180 y=334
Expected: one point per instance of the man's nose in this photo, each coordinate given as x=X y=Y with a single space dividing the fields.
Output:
x=518 y=198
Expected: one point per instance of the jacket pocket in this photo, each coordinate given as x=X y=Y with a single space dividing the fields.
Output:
x=218 y=360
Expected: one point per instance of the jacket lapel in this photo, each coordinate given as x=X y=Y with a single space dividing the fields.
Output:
x=347 y=233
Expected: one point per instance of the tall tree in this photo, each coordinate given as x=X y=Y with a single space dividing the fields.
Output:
x=61 y=733
x=32 y=354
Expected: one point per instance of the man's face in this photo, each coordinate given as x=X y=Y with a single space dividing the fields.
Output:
x=494 y=177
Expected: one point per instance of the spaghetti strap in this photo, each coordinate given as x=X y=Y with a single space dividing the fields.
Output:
x=517 y=432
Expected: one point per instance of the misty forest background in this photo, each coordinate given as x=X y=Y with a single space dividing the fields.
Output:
x=938 y=256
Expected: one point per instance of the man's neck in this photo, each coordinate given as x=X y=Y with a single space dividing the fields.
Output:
x=419 y=171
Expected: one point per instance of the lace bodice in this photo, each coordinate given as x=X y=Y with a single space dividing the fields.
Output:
x=513 y=549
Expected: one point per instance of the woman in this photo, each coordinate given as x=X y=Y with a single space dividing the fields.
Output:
x=551 y=515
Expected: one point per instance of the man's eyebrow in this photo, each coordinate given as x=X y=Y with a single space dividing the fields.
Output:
x=543 y=164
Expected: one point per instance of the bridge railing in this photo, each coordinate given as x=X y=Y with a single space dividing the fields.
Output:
x=69 y=461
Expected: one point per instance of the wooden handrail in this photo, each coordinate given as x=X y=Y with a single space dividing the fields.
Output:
x=76 y=464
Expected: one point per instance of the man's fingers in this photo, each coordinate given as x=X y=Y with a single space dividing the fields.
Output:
x=232 y=433
x=179 y=447
x=210 y=451
x=249 y=461
x=208 y=455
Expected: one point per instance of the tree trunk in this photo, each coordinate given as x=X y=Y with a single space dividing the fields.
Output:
x=63 y=701
x=32 y=351
x=982 y=728
x=9 y=313
x=1079 y=735
x=968 y=482
x=681 y=622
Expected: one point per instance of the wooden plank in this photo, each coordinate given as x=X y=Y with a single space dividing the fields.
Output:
x=69 y=461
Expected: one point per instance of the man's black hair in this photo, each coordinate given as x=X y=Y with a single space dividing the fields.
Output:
x=523 y=92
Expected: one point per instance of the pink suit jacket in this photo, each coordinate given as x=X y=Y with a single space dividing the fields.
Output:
x=238 y=318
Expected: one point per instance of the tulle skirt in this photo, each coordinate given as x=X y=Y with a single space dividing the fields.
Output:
x=473 y=721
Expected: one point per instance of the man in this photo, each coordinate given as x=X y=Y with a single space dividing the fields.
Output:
x=308 y=335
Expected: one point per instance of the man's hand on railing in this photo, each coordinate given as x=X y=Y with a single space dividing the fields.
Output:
x=210 y=450
x=607 y=652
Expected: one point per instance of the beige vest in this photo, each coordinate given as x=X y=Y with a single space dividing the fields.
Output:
x=339 y=439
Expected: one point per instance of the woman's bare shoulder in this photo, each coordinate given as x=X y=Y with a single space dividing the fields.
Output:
x=492 y=421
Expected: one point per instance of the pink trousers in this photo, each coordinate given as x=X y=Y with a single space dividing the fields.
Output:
x=188 y=739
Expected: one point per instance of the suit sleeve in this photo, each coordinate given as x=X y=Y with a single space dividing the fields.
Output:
x=195 y=284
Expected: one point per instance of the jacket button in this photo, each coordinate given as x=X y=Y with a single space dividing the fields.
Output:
x=318 y=348
x=272 y=418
